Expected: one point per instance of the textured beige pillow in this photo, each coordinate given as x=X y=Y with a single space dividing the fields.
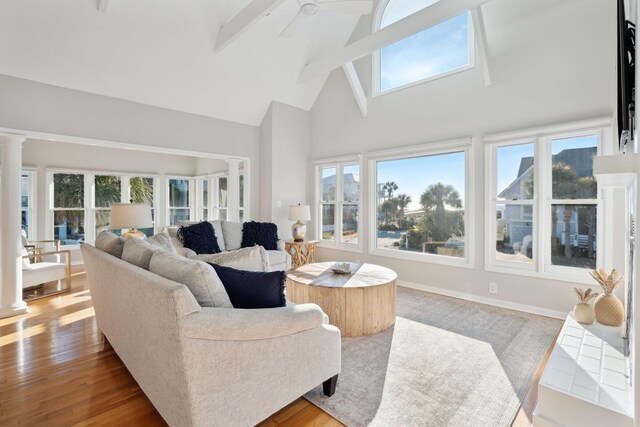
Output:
x=198 y=276
x=163 y=241
x=138 y=252
x=110 y=243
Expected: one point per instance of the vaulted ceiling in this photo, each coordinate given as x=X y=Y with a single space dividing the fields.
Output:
x=161 y=52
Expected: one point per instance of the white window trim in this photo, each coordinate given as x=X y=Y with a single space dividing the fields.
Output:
x=32 y=208
x=443 y=147
x=375 y=57
x=542 y=138
x=338 y=163
x=191 y=202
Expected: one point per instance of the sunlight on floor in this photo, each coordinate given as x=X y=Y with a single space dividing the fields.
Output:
x=74 y=317
x=22 y=334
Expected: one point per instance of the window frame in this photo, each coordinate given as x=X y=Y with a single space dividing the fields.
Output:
x=375 y=55
x=339 y=203
x=190 y=202
x=542 y=139
x=89 y=207
x=464 y=145
x=32 y=204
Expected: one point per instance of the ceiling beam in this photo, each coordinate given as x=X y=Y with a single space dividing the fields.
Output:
x=244 y=20
x=356 y=87
x=412 y=24
x=482 y=45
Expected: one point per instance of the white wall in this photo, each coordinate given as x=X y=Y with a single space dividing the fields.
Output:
x=30 y=106
x=284 y=160
x=552 y=62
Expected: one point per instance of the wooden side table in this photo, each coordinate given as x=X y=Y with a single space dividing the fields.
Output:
x=301 y=252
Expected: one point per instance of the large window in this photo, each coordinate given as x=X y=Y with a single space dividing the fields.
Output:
x=81 y=203
x=420 y=206
x=339 y=204
x=69 y=208
x=439 y=50
x=27 y=202
x=179 y=200
x=544 y=199
x=220 y=200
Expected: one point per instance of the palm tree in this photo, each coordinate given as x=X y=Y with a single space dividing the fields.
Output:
x=389 y=187
x=439 y=223
x=402 y=200
x=141 y=190
x=389 y=209
x=564 y=187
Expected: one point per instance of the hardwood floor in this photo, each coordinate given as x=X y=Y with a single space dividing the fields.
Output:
x=55 y=370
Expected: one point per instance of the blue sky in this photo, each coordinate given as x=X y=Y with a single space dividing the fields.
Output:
x=434 y=51
x=414 y=175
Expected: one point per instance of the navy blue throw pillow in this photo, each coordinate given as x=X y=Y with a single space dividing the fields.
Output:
x=253 y=289
x=264 y=234
x=200 y=238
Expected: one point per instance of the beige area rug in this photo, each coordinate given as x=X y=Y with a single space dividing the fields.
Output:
x=446 y=362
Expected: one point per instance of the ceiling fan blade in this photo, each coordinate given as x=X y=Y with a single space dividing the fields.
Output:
x=349 y=7
x=295 y=24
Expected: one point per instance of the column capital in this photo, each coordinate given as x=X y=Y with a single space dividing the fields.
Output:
x=13 y=139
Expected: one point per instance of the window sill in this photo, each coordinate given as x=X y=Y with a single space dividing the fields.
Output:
x=340 y=246
x=420 y=257
x=580 y=277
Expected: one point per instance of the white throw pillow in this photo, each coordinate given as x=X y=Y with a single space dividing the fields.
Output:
x=198 y=276
x=232 y=232
x=110 y=243
x=254 y=258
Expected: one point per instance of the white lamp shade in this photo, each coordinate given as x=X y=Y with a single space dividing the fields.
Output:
x=299 y=213
x=130 y=215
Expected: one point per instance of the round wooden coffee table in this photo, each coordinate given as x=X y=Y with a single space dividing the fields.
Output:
x=360 y=303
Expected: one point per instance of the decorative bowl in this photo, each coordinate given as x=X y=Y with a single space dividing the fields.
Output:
x=341 y=268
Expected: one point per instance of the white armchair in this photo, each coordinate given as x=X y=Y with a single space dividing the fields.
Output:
x=39 y=267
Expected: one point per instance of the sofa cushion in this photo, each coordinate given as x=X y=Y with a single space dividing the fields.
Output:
x=217 y=228
x=110 y=243
x=250 y=259
x=138 y=252
x=260 y=233
x=163 y=241
x=232 y=232
x=251 y=289
x=198 y=276
x=200 y=238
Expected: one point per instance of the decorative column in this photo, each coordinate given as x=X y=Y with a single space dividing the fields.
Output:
x=11 y=302
x=233 y=190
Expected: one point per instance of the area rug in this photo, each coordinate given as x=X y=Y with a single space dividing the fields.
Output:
x=446 y=362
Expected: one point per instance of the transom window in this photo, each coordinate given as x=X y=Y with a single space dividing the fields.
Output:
x=435 y=51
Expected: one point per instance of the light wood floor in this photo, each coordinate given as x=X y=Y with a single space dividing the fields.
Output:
x=56 y=371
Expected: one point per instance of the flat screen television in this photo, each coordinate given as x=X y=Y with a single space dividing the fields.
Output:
x=626 y=76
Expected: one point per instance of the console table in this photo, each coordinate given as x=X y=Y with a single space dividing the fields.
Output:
x=586 y=380
x=301 y=252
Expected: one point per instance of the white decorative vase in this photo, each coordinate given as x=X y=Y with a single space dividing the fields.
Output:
x=584 y=313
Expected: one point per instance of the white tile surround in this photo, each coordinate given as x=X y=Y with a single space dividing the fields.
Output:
x=586 y=380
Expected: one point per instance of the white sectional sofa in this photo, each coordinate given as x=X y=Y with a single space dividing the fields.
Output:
x=208 y=366
x=229 y=235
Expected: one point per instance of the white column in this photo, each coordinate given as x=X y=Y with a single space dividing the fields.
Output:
x=11 y=302
x=233 y=190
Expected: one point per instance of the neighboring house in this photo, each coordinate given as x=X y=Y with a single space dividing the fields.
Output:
x=517 y=220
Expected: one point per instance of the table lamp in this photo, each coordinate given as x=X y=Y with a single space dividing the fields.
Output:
x=299 y=213
x=131 y=216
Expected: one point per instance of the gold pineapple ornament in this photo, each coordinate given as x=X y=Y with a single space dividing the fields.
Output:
x=583 y=312
x=609 y=309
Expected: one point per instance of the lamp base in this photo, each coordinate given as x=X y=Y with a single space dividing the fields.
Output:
x=298 y=230
x=134 y=233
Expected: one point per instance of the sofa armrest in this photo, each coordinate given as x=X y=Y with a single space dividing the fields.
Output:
x=185 y=252
x=229 y=324
x=280 y=245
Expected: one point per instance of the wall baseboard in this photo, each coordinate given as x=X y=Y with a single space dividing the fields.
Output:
x=485 y=300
